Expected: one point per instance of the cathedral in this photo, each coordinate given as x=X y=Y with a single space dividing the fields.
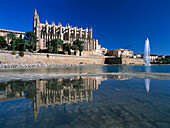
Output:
x=46 y=32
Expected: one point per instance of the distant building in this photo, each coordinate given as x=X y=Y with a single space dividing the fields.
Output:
x=161 y=57
x=120 y=52
x=153 y=57
x=104 y=51
x=137 y=55
x=4 y=33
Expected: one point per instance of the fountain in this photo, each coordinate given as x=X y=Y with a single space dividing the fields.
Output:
x=147 y=53
x=147 y=63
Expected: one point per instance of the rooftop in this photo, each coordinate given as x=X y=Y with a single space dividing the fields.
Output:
x=12 y=31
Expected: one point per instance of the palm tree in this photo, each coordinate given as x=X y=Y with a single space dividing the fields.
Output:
x=74 y=47
x=79 y=43
x=13 y=45
x=53 y=45
x=31 y=40
x=3 y=43
x=20 y=44
x=67 y=47
x=12 y=36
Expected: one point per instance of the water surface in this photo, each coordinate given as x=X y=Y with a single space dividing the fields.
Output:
x=85 y=69
x=85 y=101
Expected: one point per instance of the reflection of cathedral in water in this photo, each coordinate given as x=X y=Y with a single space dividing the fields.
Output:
x=60 y=91
x=52 y=91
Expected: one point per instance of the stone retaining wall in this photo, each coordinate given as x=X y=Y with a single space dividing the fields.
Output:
x=41 y=58
x=137 y=61
x=127 y=61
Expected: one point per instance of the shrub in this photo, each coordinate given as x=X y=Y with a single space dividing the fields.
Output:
x=3 y=43
x=21 y=53
x=13 y=53
x=13 y=45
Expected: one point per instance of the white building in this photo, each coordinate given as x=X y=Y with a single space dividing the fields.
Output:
x=5 y=32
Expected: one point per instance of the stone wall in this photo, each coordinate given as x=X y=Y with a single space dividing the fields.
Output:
x=41 y=58
x=137 y=61
x=112 y=60
x=116 y=60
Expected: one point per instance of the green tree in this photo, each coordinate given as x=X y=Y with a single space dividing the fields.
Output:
x=3 y=43
x=20 y=44
x=79 y=43
x=74 y=47
x=12 y=37
x=31 y=40
x=23 y=45
x=50 y=48
x=13 y=45
x=54 y=44
x=80 y=49
x=17 y=43
x=67 y=47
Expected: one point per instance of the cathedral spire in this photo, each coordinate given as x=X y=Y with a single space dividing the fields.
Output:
x=35 y=12
x=53 y=23
x=59 y=24
x=46 y=22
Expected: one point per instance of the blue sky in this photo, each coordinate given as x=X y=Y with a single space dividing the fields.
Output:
x=116 y=23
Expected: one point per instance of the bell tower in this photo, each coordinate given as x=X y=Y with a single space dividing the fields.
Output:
x=36 y=29
x=36 y=23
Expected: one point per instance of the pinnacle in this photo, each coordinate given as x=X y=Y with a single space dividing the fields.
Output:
x=91 y=27
x=46 y=22
x=35 y=12
x=53 y=23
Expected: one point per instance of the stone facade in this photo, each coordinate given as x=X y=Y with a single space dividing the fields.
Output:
x=153 y=57
x=4 y=33
x=119 y=52
x=137 y=55
x=42 y=58
x=125 y=61
x=137 y=61
x=46 y=32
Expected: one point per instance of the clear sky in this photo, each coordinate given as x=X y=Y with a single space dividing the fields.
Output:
x=116 y=23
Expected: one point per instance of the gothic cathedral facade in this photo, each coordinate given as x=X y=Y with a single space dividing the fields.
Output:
x=46 y=32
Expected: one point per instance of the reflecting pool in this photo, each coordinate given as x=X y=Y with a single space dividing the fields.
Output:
x=84 y=102
x=86 y=69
